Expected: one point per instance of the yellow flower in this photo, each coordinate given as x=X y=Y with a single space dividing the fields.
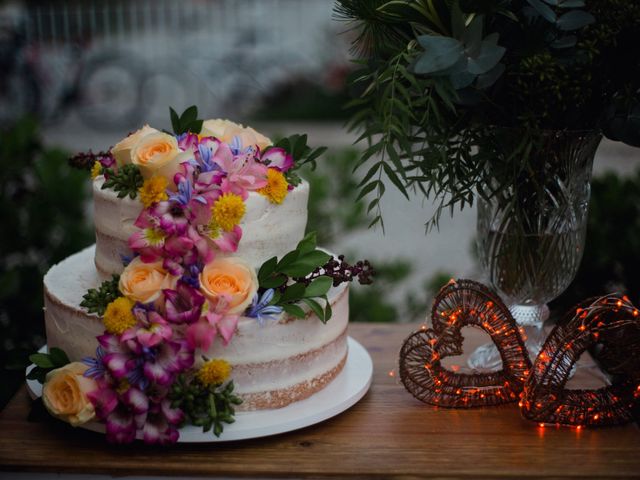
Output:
x=153 y=190
x=118 y=316
x=228 y=211
x=96 y=169
x=214 y=372
x=277 y=186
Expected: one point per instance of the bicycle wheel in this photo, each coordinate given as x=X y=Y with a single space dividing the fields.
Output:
x=110 y=92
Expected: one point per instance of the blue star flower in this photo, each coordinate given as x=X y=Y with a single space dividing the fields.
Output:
x=260 y=308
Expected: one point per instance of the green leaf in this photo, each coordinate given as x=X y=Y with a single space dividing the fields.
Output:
x=395 y=180
x=288 y=259
x=328 y=311
x=294 y=310
x=267 y=269
x=39 y=374
x=293 y=293
x=175 y=120
x=308 y=243
x=58 y=357
x=367 y=189
x=189 y=115
x=306 y=264
x=319 y=287
x=315 y=307
x=274 y=282
x=42 y=360
x=196 y=127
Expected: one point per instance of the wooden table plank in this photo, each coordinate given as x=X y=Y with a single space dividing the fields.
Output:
x=387 y=434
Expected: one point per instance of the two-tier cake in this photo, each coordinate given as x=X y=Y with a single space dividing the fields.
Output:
x=202 y=293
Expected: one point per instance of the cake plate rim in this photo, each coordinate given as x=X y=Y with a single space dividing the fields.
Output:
x=344 y=391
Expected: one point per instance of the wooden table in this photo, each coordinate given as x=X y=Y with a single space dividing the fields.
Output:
x=388 y=433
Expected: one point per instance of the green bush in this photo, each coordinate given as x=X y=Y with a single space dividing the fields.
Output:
x=612 y=250
x=42 y=204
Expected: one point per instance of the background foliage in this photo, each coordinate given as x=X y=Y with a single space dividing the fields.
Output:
x=42 y=206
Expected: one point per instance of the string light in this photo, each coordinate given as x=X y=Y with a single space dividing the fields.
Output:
x=539 y=388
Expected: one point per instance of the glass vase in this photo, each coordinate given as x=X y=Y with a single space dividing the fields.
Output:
x=532 y=225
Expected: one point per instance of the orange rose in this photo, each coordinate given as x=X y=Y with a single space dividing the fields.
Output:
x=64 y=394
x=158 y=154
x=143 y=282
x=122 y=150
x=231 y=280
x=225 y=130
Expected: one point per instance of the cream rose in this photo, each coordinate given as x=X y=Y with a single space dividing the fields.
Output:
x=143 y=282
x=64 y=394
x=225 y=130
x=157 y=154
x=231 y=279
x=122 y=150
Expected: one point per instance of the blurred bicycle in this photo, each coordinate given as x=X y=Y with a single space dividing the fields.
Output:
x=49 y=80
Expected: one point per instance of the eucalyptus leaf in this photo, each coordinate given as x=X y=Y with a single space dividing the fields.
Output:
x=574 y=20
x=440 y=53
x=544 y=10
x=489 y=56
x=568 y=41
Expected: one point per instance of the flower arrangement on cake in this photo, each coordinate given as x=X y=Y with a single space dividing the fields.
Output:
x=164 y=328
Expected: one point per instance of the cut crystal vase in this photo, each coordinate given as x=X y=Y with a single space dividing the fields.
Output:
x=531 y=233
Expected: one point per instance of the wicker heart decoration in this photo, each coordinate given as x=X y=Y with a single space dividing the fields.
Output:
x=459 y=304
x=611 y=322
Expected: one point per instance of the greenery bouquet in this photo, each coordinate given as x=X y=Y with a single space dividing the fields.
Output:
x=453 y=94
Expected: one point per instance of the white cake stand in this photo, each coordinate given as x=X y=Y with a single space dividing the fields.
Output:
x=341 y=394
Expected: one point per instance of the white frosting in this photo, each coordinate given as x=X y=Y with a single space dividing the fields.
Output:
x=265 y=359
x=267 y=229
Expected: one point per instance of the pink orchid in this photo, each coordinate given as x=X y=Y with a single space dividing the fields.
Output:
x=151 y=330
x=244 y=174
x=278 y=158
x=184 y=304
x=228 y=241
x=202 y=333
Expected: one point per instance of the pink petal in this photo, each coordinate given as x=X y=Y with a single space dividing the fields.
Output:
x=136 y=400
x=227 y=327
x=200 y=335
x=228 y=241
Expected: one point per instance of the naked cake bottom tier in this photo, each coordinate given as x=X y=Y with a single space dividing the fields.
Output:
x=273 y=365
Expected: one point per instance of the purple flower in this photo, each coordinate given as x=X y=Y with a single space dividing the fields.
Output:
x=187 y=141
x=96 y=368
x=185 y=194
x=184 y=304
x=151 y=329
x=260 y=308
x=160 y=424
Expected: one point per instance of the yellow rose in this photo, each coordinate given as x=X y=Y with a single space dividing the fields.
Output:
x=122 y=150
x=143 y=282
x=158 y=154
x=64 y=394
x=229 y=278
x=225 y=130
